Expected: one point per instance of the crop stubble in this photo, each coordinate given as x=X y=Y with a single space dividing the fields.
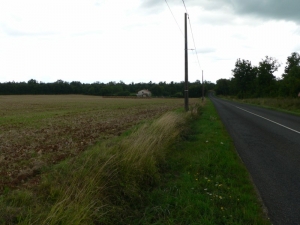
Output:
x=42 y=130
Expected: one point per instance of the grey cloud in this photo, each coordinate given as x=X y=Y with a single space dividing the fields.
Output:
x=239 y=36
x=262 y=9
x=152 y=6
x=97 y=3
x=223 y=58
x=247 y=46
x=206 y=50
x=91 y=32
x=152 y=3
x=297 y=49
x=16 y=32
x=215 y=18
x=287 y=10
x=270 y=9
x=297 y=31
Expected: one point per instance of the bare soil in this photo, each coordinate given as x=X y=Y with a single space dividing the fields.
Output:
x=38 y=131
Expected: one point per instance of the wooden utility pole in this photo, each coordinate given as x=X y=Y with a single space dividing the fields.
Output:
x=202 y=87
x=186 y=92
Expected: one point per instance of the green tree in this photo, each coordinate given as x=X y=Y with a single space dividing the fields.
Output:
x=244 y=76
x=266 y=79
x=32 y=86
x=222 y=87
x=76 y=87
x=293 y=62
x=291 y=76
x=195 y=89
x=156 y=90
x=32 y=81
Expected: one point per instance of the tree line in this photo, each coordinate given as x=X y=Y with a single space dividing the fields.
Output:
x=251 y=81
x=172 y=89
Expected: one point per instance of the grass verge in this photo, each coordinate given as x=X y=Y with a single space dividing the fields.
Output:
x=204 y=181
x=288 y=105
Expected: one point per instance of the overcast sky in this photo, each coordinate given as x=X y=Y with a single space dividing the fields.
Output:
x=139 y=40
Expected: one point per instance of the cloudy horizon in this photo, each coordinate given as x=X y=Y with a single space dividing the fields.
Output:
x=139 y=41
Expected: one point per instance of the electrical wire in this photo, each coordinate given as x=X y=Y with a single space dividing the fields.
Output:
x=191 y=33
x=190 y=28
x=194 y=41
x=174 y=17
x=184 y=6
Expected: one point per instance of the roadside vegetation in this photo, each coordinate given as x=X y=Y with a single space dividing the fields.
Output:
x=250 y=81
x=257 y=84
x=289 y=105
x=203 y=180
x=180 y=168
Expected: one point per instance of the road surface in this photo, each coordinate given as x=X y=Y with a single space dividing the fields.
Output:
x=268 y=142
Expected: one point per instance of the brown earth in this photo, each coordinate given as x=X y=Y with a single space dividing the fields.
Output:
x=37 y=131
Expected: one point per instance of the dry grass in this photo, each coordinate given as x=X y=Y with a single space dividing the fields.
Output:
x=37 y=131
x=99 y=186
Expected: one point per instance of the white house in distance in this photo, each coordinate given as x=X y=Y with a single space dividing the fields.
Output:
x=144 y=93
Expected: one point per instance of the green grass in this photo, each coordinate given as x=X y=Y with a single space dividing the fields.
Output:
x=203 y=181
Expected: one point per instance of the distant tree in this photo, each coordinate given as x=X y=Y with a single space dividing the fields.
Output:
x=61 y=87
x=178 y=95
x=32 y=81
x=123 y=93
x=293 y=62
x=208 y=86
x=223 y=87
x=266 y=79
x=91 y=91
x=291 y=76
x=195 y=89
x=244 y=76
x=172 y=89
x=156 y=90
x=76 y=87
x=32 y=87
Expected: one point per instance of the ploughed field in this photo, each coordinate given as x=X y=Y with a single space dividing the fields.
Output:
x=37 y=131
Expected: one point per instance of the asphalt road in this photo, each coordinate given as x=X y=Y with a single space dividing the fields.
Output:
x=268 y=142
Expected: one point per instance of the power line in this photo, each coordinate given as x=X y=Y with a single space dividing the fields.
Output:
x=190 y=28
x=194 y=41
x=184 y=6
x=174 y=17
x=192 y=33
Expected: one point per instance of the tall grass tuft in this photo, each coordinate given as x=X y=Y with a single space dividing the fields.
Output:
x=102 y=185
